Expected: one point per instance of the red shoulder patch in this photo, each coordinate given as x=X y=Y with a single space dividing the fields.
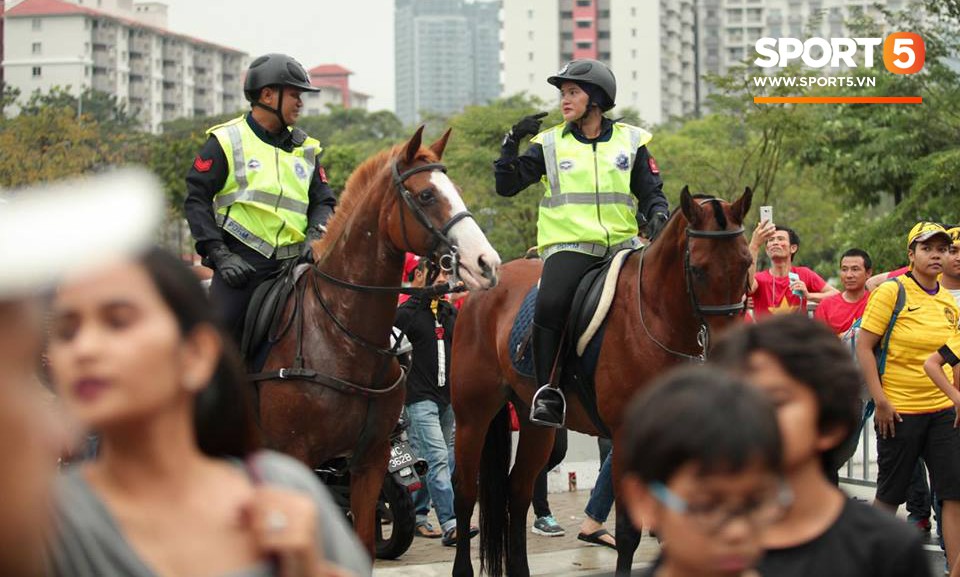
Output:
x=202 y=165
x=322 y=174
x=652 y=163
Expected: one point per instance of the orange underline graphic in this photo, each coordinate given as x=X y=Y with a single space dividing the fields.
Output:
x=838 y=100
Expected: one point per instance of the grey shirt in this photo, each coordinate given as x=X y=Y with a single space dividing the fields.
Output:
x=89 y=543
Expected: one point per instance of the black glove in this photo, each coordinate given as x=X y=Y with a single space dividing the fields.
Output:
x=313 y=233
x=231 y=267
x=528 y=126
x=656 y=224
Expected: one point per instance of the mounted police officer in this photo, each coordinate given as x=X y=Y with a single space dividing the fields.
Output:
x=599 y=181
x=256 y=193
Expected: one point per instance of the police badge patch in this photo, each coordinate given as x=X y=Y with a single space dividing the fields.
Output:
x=566 y=165
x=622 y=161
x=253 y=164
x=300 y=170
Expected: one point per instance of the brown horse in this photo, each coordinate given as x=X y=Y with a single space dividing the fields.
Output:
x=670 y=297
x=338 y=388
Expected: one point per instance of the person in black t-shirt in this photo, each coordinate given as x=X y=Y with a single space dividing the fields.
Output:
x=428 y=325
x=811 y=379
x=707 y=490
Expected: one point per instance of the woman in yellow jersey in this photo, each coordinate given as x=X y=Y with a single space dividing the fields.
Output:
x=914 y=418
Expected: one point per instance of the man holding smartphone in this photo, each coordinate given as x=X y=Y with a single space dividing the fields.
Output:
x=783 y=288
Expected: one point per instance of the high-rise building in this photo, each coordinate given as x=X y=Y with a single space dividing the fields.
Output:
x=649 y=45
x=446 y=55
x=124 y=49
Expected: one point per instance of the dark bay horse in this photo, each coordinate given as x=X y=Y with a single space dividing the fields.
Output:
x=687 y=284
x=338 y=390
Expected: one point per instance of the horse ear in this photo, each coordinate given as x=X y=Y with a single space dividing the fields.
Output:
x=740 y=208
x=689 y=208
x=438 y=146
x=413 y=147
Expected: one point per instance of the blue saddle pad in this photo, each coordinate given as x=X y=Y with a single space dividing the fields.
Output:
x=520 y=335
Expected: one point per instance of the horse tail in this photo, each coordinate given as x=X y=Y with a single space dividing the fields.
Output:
x=494 y=491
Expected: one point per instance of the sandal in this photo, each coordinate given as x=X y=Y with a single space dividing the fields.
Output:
x=428 y=531
x=595 y=538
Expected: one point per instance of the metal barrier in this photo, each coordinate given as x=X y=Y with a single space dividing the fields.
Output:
x=866 y=449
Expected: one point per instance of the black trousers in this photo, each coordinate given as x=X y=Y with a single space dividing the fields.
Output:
x=232 y=302
x=562 y=272
x=541 y=508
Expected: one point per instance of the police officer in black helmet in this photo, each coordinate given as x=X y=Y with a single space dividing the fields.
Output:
x=600 y=182
x=257 y=194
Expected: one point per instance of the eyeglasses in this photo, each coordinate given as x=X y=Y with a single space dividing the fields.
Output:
x=767 y=508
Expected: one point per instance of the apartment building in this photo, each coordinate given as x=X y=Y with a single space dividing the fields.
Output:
x=334 y=83
x=648 y=44
x=122 y=48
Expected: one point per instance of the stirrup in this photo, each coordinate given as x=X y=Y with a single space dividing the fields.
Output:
x=563 y=409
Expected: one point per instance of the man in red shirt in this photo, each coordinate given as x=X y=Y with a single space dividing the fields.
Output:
x=839 y=311
x=783 y=288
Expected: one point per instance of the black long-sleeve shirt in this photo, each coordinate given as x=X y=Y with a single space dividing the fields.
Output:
x=208 y=174
x=514 y=172
x=416 y=319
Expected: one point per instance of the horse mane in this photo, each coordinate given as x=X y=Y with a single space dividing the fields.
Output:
x=359 y=187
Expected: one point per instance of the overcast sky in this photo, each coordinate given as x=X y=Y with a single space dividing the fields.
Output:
x=357 y=34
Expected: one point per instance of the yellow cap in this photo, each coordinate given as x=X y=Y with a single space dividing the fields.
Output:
x=924 y=231
x=954 y=234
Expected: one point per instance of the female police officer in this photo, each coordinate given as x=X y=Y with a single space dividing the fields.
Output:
x=599 y=182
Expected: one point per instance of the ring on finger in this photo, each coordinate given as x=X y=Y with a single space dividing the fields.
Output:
x=276 y=521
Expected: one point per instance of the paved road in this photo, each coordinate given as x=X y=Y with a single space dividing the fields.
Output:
x=558 y=556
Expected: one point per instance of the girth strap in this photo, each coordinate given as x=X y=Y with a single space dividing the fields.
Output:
x=310 y=375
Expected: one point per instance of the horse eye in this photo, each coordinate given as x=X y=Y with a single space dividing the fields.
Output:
x=426 y=196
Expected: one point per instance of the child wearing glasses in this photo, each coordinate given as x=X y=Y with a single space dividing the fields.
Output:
x=811 y=379
x=709 y=487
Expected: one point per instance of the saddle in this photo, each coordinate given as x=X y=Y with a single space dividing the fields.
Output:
x=264 y=311
x=584 y=334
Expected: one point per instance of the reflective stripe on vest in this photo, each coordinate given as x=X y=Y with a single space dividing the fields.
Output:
x=587 y=196
x=265 y=199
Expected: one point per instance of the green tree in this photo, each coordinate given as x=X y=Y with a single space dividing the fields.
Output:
x=50 y=145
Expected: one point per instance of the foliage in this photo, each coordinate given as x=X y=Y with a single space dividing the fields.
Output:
x=50 y=145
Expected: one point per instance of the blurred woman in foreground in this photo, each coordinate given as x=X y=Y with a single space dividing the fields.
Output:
x=179 y=487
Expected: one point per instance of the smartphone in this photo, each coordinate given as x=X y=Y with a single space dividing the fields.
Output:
x=794 y=277
x=766 y=214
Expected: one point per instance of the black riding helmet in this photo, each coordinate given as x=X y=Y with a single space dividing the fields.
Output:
x=275 y=70
x=591 y=72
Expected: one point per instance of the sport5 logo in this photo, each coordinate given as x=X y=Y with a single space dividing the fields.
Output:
x=903 y=52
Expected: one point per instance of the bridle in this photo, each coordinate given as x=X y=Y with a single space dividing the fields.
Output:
x=440 y=241
x=448 y=261
x=442 y=249
x=700 y=310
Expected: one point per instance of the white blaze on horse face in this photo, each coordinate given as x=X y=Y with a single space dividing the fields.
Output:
x=479 y=261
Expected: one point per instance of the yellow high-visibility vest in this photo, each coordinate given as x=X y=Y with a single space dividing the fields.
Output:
x=587 y=196
x=265 y=199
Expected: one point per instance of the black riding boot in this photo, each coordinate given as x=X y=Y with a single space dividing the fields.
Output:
x=549 y=407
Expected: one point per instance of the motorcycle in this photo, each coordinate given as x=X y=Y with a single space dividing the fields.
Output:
x=396 y=517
